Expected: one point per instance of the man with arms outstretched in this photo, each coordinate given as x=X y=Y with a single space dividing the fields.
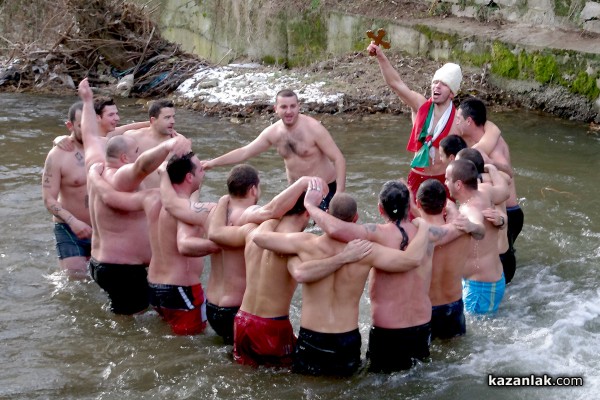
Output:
x=305 y=145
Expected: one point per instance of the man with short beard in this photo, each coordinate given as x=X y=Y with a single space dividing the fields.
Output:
x=306 y=146
x=64 y=192
x=161 y=129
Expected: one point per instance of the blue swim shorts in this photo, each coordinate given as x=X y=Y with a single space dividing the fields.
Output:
x=483 y=297
x=68 y=244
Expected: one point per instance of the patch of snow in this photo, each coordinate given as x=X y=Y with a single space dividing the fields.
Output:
x=226 y=85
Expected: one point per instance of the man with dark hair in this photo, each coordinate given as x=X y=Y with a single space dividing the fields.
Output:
x=483 y=283
x=397 y=339
x=445 y=292
x=470 y=117
x=120 y=243
x=450 y=146
x=329 y=341
x=177 y=253
x=161 y=129
x=306 y=146
x=107 y=116
x=227 y=282
x=64 y=192
x=263 y=334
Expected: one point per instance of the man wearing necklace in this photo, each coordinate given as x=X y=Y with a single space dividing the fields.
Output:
x=433 y=118
x=483 y=279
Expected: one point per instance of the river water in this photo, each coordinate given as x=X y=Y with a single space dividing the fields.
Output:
x=59 y=340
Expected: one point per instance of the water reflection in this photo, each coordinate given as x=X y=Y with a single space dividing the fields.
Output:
x=61 y=341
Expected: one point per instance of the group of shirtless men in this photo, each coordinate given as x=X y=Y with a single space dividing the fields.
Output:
x=126 y=211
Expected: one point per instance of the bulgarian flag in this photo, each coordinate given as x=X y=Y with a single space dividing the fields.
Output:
x=424 y=136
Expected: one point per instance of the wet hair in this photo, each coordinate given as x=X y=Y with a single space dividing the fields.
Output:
x=298 y=208
x=179 y=167
x=432 y=196
x=286 y=93
x=157 y=106
x=452 y=144
x=240 y=179
x=395 y=199
x=343 y=206
x=474 y=108
x=466 y=172
x=474 y=156
x=101 y=102
x=117 y=145
x=78 y=106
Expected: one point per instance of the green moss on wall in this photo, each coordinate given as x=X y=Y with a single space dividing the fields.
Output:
x=585 y=85
x=307 y=39
x=545 y=68
x=505 y=63
x=434 y=35
x=562 y=7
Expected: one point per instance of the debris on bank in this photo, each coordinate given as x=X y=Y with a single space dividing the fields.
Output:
x=113 y=43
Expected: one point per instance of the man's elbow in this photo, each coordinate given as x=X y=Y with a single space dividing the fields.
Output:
x=299 y=275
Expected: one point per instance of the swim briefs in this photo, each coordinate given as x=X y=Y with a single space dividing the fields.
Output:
x=263 y=341
x=325 y=202
x=126 y=285
x=221 y=320
x=331 y=354
x=398 y=349
x=515 y=218
x=68 y=244
x=483 y=297
x=182 y=307
x=448 y=320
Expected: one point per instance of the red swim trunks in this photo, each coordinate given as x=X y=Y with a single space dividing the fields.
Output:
x=415 y=179
x=182 y=307
x=263 y=341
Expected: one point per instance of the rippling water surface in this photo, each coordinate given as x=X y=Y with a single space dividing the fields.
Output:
x=59 y=340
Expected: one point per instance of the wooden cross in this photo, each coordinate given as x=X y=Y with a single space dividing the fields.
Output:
x=378 y=39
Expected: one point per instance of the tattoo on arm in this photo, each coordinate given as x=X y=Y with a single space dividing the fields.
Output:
x=86 y=201
x=199 y=208
x=370 y=227
x=436 y=233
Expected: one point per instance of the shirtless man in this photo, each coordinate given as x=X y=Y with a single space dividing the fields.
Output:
x=177 y=254
x=483 y=283
x=400 y=304
x=263 y=334
x=490 y=179
x=107 y=116
x=120 y=243
x=445 y=292
x=432 y=119
x=306 y=146
x=162 y=121
x=470 y=120
x=226 y=285
x=64 y=193
x=449 y=148
x=329 y=341
x=227 y=280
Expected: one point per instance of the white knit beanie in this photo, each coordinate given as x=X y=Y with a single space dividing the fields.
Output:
x=451 y=75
